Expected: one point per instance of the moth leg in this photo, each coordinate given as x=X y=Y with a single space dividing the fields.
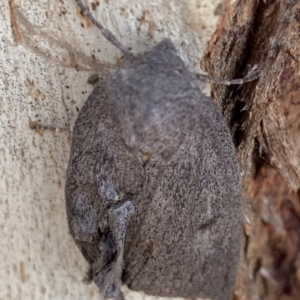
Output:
x=107 y=272
x=39 y=127
x=88 y=278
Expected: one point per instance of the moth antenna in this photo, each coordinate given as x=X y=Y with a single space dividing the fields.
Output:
x=252 y=75
x=105 y=32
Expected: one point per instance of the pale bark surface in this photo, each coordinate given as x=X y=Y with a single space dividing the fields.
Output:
x=48 y=51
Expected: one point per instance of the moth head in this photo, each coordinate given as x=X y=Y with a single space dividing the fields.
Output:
x=163 y=56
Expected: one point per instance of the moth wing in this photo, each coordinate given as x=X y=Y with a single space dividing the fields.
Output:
x=101 y=173
x=191 y=226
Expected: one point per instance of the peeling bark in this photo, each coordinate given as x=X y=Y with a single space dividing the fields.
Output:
x=48 y=52
x=264 y=118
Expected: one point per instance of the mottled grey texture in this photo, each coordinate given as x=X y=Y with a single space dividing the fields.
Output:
x=152 y=193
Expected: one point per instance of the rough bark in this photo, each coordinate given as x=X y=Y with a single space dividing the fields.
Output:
x=48 y=52
x=265 y=122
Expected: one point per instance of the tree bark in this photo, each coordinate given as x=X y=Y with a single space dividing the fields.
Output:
x=264 y=118
x=48 y=52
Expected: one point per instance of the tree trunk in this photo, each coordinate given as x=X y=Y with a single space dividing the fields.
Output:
x=48 y=52
x=264 y=118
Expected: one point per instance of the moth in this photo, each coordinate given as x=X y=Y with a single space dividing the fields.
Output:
x=153 y=194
